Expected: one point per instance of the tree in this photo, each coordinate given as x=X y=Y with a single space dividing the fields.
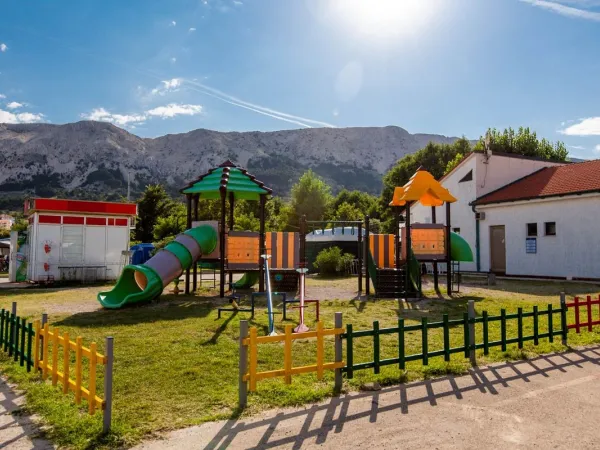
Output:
x=347 y=211
x=361 y=201
x=172 y=224
x=523 y=142
x=311 y=197
x=153 y=204
x=453 y=163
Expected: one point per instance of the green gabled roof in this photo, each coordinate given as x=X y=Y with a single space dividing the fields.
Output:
x=231 y=179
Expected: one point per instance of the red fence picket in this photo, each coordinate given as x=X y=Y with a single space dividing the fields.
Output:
x=577 y=304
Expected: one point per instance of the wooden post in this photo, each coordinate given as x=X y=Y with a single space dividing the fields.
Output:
x=195 y=281
x=338 y=352
x=397 y=237
x=408 y=245
x=188 y=199
x=435 y=264
x=472 y=356
x=108 y=384
x=231 y=220
x=243 y=366
x=261 y=244
x=366 y=254
x=563 y=318
x=222 y=242
x=448 y=255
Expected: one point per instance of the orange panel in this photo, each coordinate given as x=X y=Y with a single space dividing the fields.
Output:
x=291 y=249
x=279 y=250
x=381 y=239
x=242 y=249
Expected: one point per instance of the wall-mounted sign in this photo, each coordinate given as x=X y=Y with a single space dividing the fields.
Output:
x=531 y=245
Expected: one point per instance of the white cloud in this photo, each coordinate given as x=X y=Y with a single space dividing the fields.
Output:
x=174 y=109
x=131 y=120
x=586 y=127
x=167 y=86
x=3 y=47
x=14 y=105
x=173 y=59
x=597 y=148
x=102 y=115
x=2 y=96
x=173 y=23
x=576 y=147
x=9 y=117
x=192 y=29
x=237 y=3
x=568 y=11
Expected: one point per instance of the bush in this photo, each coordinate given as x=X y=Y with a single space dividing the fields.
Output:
x=331 y=261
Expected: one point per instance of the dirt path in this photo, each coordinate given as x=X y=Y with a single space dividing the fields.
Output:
x=551 y=401
x=17 y=431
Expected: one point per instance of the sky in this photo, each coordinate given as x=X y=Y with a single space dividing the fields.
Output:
x=453 y=67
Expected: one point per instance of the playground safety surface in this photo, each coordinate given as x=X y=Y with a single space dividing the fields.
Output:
x=551 y=401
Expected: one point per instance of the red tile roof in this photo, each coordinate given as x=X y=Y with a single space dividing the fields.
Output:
x=574 y=178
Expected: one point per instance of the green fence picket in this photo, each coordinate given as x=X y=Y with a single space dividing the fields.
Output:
x=536 y=326
x=520 y=327
x=466 y=333
x=2 y=327
x=7 y=328
x=401 y=350
x=446 y=339
x=30 y=336
x=550 y=326
x=424 y=341
x=349 y=351
x=376 y=346
x=486 y=338
x=22 y=351
x=503 y=329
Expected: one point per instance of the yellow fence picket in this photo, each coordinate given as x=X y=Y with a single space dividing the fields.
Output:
x=252 y=342
x=66 y=361
x=78 y=353
x=92 y=389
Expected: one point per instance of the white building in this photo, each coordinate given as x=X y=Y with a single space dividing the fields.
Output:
x=475 y=176
x=76 y=240
x=545 y=224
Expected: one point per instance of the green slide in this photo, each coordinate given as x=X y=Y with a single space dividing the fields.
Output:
x=145 y=282
x=248 y=280
x=460 y=250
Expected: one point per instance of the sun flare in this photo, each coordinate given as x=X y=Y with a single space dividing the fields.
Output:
x=383 y=19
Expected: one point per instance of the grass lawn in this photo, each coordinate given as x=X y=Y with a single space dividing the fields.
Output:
x=176 y=363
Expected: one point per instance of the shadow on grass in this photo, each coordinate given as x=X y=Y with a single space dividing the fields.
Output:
x=166 y=308
x=454 y=307
x=533 y=287
x=335 y=413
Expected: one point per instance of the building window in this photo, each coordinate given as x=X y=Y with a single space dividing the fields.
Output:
x=550 y=228
x=467 y=177
x=456 y=230
x=531 y=229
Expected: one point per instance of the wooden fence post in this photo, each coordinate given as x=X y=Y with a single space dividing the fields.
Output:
x=563 y=318
x=41 y=340
x=472 y=357
x=108 y=384
x=243 y=366
x=338 y=352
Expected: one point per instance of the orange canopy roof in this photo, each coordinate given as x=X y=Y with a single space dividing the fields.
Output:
x=422 y=187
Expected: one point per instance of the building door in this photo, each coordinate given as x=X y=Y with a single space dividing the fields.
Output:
x=497 y=249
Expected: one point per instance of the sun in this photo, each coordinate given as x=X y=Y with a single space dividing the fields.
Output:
x=384 y=19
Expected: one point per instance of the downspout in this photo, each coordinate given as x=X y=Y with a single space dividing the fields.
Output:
x=477 y=256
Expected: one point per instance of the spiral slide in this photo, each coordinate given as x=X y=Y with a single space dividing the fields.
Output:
x=145 y=282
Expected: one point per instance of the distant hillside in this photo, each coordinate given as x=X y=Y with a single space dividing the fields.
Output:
x=93 y=159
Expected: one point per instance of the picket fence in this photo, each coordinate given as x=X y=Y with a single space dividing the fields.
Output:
x=36 y=345
x=471 y=326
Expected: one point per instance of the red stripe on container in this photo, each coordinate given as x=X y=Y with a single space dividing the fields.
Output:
x=95 y=221
x=111 y=222
x=78 y=206
x=50 y=219
x=73 y=220
x=121 y=222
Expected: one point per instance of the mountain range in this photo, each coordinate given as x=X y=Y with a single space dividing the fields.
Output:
x=94 y=160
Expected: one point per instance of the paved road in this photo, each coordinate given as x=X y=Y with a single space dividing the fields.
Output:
x=548 y=402
x=17 y=432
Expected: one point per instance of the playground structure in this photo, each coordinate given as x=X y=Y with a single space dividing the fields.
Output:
x=240 y=251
